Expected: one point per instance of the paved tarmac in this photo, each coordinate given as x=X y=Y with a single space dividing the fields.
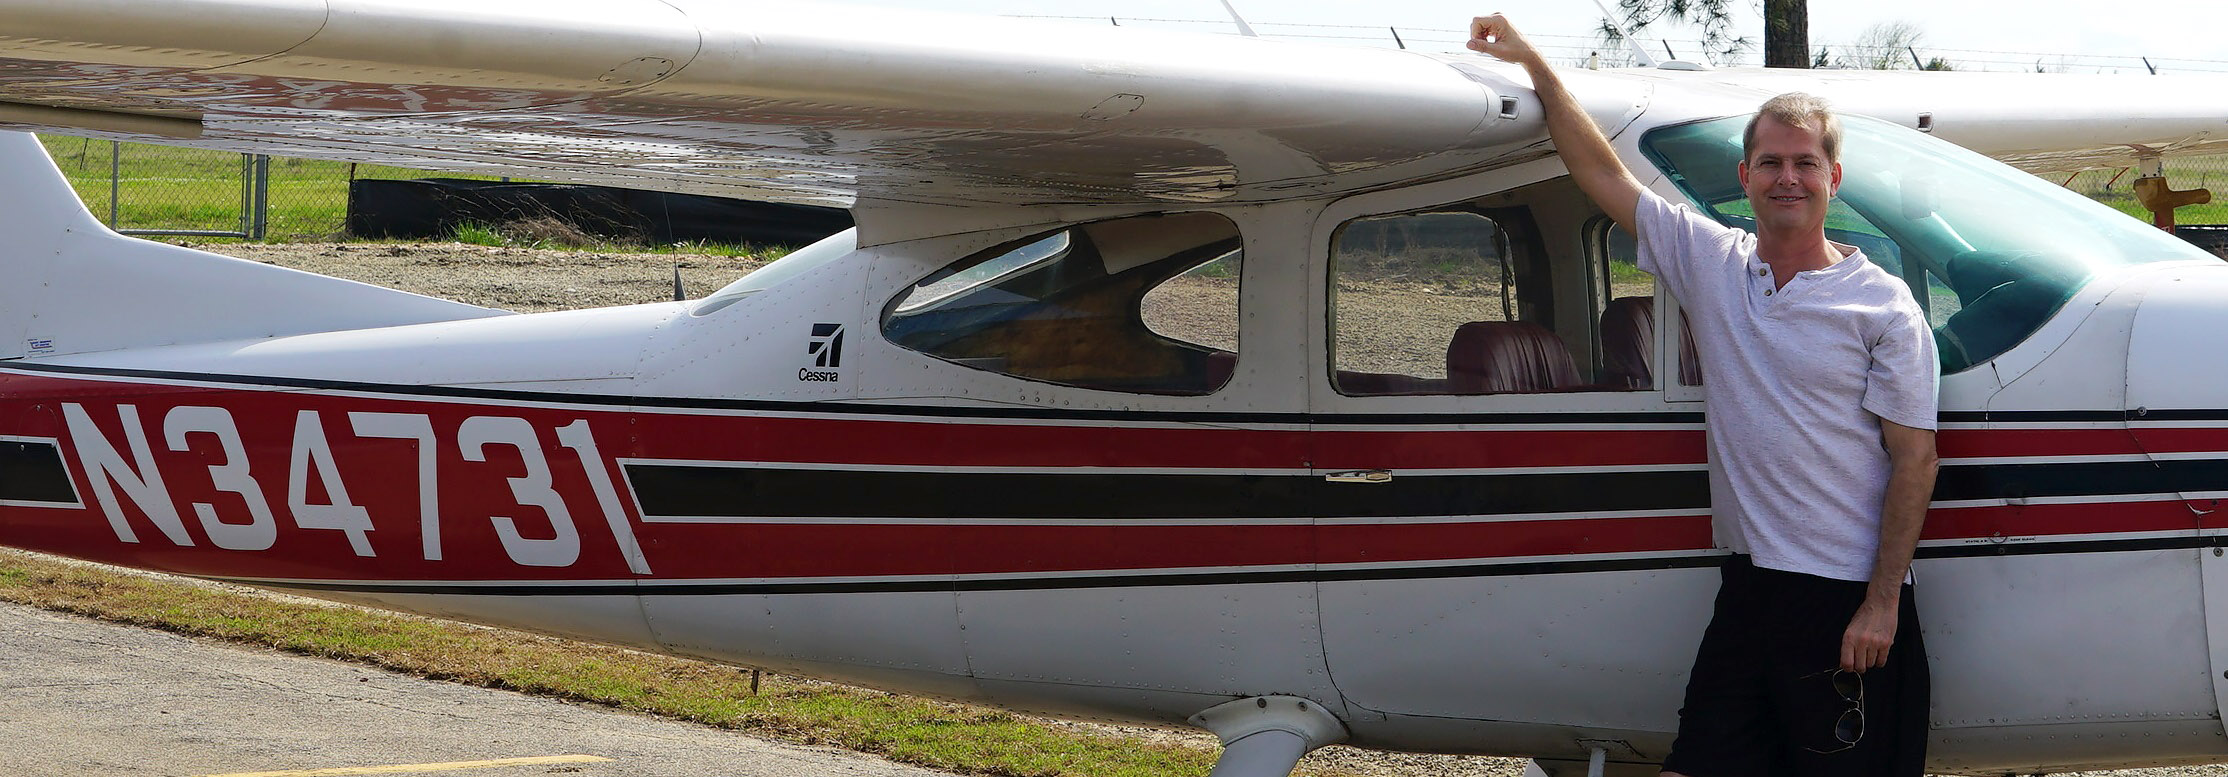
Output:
x=80 y=697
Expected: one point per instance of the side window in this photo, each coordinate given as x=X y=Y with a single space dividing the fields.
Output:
x=1147 y=304
x=1626 y=299
x=1523 y=291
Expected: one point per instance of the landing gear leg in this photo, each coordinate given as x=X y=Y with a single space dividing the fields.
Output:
x=1266 y=736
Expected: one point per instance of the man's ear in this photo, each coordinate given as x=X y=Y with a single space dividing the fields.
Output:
x=1836 y=179
x=1743 y=168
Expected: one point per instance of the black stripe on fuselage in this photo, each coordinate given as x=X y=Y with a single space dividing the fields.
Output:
x=1090 y=581
x=690 y=491
x=667 y=490
x=2097 y=478
x=32 y=472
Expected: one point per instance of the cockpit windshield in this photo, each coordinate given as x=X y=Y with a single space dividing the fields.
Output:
x=1989 y=251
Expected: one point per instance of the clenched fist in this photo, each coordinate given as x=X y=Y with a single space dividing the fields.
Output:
x=1494 y=35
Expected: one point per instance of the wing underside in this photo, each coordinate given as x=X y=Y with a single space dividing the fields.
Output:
x=780 y=101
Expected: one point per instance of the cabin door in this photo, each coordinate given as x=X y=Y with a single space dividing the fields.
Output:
x=1513 y=516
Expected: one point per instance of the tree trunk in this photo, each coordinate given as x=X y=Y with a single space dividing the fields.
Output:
x=1786 y=33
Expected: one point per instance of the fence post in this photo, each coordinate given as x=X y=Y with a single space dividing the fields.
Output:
x=247 y=192
x=262 y=197
x=115 y=170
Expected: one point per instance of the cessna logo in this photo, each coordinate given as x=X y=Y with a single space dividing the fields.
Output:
x=826 y=350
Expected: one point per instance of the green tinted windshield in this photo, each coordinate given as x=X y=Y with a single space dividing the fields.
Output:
x=1990 y=252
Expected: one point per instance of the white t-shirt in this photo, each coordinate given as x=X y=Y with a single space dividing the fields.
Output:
x=1796 y=380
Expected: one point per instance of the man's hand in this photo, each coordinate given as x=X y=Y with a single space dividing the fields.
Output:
x=1593 y=165
x=1912 y=461
x=1865 y=644
x=1494 y=35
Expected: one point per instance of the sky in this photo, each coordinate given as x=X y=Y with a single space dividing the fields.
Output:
x=2086 y=37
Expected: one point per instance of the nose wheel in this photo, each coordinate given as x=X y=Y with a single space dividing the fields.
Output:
x=1266 y=736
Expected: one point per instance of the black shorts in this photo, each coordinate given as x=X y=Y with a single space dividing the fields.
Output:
x=1763 y=698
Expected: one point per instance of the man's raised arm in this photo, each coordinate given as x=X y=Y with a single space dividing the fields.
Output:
x=1583 y=148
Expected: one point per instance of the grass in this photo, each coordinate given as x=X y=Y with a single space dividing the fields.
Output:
x=953 y=737
x=553 y=235
x=2215 y=212
x=164 y=187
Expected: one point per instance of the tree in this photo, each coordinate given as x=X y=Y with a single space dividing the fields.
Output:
x=1786 y=27
x=1884 y=46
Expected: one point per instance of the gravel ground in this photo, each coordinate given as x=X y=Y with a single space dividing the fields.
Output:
x=530 y=280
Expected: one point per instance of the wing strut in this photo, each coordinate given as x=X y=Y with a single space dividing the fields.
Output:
x=1639 y=53
x=1243 y=28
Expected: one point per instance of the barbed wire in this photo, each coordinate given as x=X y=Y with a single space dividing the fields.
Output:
x=1580 y=47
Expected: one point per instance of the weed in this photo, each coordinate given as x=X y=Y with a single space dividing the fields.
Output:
x=473 y=233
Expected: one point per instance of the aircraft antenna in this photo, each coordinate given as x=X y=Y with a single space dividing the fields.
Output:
x=1243 y=28
x=1639 y=53
x=1396 y=38
x=679 y=294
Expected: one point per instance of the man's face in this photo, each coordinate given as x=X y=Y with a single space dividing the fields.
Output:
x=1788 y=178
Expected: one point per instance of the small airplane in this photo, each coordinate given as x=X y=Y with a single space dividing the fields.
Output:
x=1284 y=390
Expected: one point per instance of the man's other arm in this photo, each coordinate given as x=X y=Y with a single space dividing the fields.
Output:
x=1582 y=146
x=1910 y=487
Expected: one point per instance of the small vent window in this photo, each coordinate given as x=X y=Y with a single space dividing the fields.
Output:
x=1146 y=305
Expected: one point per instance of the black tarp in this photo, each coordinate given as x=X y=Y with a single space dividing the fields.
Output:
x=2211 y=237
x=434 y=207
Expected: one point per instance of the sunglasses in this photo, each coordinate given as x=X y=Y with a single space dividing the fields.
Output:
x=1849 y=728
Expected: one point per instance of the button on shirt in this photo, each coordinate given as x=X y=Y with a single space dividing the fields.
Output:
x=1797 y=380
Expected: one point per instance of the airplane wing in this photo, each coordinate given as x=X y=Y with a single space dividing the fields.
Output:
x=2038 y=122
x=835 y=105
x=778 y=101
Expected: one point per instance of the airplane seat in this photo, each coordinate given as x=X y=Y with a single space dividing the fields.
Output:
x=1495 y=357
x=2004 y=296
x=1690 y=361
x=1628 y=343
x=1628 y=346
x=1217 y=367
x=1996 y=321
x=1973 y=274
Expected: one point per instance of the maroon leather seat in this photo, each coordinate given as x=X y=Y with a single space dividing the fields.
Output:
x=1628 y=345
x=1220 y=365
x=1496 y=357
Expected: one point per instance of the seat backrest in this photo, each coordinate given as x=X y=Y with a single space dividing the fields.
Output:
x=1494 y=357
x=1690 y=361
x=1975 y=273
x=1628 y=343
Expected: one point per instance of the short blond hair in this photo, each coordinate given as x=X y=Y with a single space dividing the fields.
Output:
x=1801 y=111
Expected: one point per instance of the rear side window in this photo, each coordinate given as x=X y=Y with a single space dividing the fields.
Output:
x=1146 y=304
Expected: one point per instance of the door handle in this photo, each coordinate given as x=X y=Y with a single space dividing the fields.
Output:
x=1360 y=476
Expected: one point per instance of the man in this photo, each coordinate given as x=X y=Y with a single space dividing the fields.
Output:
x=1822 y=400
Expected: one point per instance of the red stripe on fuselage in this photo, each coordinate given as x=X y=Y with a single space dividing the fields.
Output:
x=380 y=474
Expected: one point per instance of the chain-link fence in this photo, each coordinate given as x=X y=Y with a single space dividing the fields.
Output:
x=158 y=190
x=2116 y=187
x=148 y=189
x=163 y=190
